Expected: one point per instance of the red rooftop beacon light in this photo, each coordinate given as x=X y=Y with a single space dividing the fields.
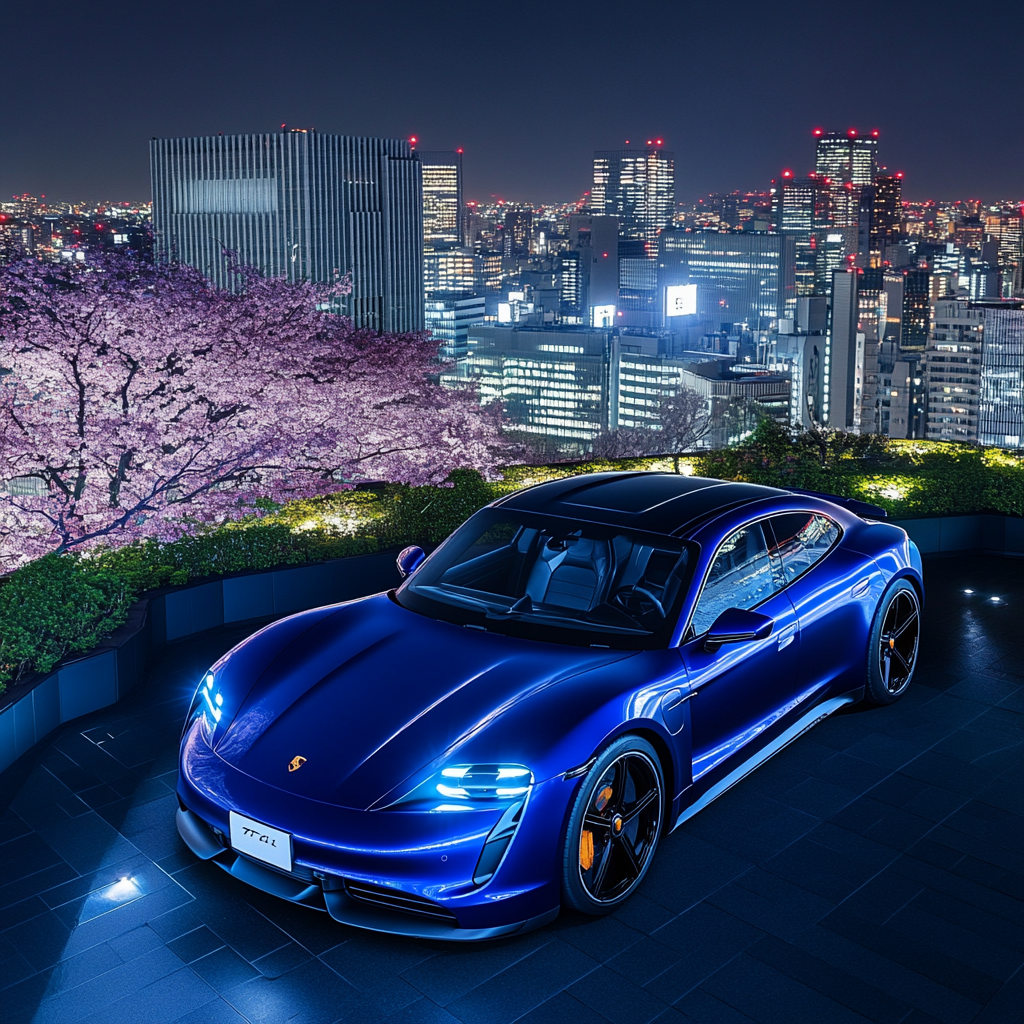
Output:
x=659 y=142
x=874 y=133
x=817 y=131
x=852 y=132
x=787 y=174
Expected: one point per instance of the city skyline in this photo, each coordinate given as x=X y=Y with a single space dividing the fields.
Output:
x=736 y=103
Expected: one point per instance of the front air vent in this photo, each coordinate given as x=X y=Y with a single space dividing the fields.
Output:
x=393 y=899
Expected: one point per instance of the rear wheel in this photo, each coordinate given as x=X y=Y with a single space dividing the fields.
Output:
x=893 y=649
x=614 y=827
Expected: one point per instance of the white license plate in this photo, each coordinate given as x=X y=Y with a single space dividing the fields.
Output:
x=255 y=839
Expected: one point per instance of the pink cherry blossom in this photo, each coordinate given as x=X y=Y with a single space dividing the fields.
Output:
x=139 y=401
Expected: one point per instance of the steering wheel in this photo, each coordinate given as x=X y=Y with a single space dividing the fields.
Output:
x=637 y=601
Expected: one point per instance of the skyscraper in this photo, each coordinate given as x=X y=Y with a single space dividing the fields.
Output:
x=518 y=232
x=802 y=210
x=887 y=211
x=298 y=204
x=847 y=157
x=442 y=198
x=637 y=186
x=974 y=370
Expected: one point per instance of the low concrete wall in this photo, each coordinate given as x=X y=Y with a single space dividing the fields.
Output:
x=994 y=534
x=102 y=677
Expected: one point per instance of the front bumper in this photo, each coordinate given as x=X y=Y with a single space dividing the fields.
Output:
x=398 y=872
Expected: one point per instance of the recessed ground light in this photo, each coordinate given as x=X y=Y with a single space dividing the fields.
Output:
x=968 y=591
x=996 y=599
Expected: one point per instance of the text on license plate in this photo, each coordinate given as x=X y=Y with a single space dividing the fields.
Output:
x=255 y=839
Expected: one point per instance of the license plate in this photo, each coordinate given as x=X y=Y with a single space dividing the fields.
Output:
x=255 y=839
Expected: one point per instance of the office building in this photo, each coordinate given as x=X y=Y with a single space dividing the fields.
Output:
x=552 y=383
x=518 y=235
x=638 y=187
x=887 y=212
x=449 y=318
x=741 y=276
x=802 y=210
x=952 y=368
x=442 y=198
x=302 y=205
x=849 y=157
x=974 y=373
x=1001 y=401
x=596 y=240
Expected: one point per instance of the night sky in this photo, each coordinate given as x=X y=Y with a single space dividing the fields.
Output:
x=528 y=89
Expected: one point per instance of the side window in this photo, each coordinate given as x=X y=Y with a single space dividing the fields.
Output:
x=739 y=577
x=801 y=538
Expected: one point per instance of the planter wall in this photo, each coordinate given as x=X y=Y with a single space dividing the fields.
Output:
x=28 y=713
x=992 y=534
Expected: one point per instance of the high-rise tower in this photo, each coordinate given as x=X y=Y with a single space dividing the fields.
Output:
x=847 y=157
x=637 y=186
x=302 y=205
x=442 y=198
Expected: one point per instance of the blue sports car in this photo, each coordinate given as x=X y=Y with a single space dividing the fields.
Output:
x=574 y=672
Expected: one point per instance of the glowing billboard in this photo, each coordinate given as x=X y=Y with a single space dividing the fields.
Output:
x=602 y=316
x=680 y=300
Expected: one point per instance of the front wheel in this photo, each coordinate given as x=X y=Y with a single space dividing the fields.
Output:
x=614 y=827
x=893 y=649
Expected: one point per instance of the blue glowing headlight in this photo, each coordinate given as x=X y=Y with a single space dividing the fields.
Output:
x=208 y=704
x=468 y=787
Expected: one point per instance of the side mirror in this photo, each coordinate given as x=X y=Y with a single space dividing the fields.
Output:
x=409 y=560
x=734 y=626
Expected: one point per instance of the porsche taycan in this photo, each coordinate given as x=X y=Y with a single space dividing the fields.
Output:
x=576 y=671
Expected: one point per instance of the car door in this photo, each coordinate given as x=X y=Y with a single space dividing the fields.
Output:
x=740 y=689
x=831 y=595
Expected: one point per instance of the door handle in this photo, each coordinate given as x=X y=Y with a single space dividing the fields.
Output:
x=786 y=637
x=861 y=588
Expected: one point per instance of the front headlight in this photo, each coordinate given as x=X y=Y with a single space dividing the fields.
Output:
x=208 y=703
x=468 y=787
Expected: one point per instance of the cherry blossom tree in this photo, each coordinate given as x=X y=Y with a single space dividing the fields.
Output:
x=683 y=419
x=138 y=400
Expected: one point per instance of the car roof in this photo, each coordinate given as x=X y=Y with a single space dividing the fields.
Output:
x=666 y=503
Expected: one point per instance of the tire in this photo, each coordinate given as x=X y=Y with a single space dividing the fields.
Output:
x=621 y=807
x=894 y=644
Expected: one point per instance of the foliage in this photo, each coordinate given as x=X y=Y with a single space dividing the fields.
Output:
x=53 y=607
x=144 y=402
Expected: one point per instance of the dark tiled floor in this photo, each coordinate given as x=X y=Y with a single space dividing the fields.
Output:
x=873 y=871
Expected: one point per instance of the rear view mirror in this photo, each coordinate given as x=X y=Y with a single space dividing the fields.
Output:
x=409 y=560
x=735 y=625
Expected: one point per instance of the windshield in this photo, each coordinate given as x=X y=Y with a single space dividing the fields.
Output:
x=554 y=579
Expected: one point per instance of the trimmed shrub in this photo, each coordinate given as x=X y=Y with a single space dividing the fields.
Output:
x=55 y=606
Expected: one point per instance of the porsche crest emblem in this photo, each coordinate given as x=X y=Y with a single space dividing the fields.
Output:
x=296 y=763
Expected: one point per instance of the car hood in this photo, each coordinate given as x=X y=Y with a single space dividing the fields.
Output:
x=372 y=693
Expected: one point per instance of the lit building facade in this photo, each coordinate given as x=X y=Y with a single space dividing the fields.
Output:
x=638 y=187
x=449 y=319
x=741 y=276
x=300 y=205
x=1001 y=402
x=442 y=198
x=849 y=157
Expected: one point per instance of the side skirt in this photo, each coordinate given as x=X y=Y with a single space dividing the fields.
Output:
x=795 y=731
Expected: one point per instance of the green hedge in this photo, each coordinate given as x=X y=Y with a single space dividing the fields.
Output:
x=61 y=605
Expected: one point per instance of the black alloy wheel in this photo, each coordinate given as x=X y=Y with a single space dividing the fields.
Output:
x=614 y=826
x=895 y=639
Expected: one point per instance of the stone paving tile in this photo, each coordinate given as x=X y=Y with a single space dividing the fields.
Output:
x=872 y=871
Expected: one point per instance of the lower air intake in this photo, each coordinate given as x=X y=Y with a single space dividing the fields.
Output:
x=393 y=899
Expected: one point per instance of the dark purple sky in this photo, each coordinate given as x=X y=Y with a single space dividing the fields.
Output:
x=529 y=89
